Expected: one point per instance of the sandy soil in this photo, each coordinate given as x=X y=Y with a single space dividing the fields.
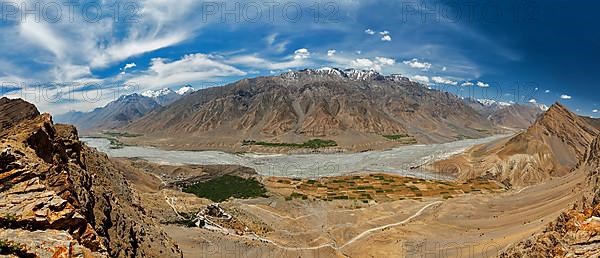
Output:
x=473 y=225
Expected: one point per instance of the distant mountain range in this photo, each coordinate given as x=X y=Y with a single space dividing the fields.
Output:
x=356 y=108
x=507 y=114
x=353 y=107
x=122 y=111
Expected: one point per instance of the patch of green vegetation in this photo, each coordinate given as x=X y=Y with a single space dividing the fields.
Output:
x=296 y=195
x=222 y=188
x=414 y=188
x=187 y=220
x=9 y=220
x=396 y=137
x=311 y=144
x=122 y=134
x=10 y=248
x=403 y=138
x=115 y=144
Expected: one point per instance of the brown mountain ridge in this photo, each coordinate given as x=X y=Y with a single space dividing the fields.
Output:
x=552 y=146
x=354 y=108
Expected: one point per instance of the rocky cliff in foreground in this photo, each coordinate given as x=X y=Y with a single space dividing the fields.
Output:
x=576 y=232
x=59 y=198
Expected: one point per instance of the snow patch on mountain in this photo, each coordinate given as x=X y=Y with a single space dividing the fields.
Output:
x=187 y=89
x=157 y=93
x=491 y=102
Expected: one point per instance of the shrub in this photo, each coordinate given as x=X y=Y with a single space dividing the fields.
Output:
x=222 y=188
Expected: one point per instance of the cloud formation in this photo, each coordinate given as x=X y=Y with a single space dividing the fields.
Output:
x=441 y=80
x=190 y=68
x=482 y=84
x=421 y=78
x=415 y=63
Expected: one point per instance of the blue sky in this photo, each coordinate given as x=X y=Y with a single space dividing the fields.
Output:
x=80 y=57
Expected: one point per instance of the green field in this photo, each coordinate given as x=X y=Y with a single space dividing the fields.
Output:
x=222 y=188
x=122 y=134
x=311 y=144
x=403 y=138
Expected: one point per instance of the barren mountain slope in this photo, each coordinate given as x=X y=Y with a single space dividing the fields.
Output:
x=115 y=114
x=552 y=146
x=351 y=107
x=516 y=116
x=59 y=198
x=592 y=121
x=575 y=232
x=505 y=114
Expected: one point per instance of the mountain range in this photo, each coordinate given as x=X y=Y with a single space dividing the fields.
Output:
x=122 y=111
x=356 y=108
x=551 y=147
x=507 y=114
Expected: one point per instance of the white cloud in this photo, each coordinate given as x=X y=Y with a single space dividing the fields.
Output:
x=386 y=38
x=302 y=53
x=385 y=32
x=440 y=80
x=128 y=66
x=415 y=63
x=370 y=31
x=444 y=68
x=377 y=64
x=136 y=47
x=363 y=63
x=385 y=60
x=421 y=79
x=257 y=62
x=565 y=96
x=278 y=47
x=191 y=68
x=71 y=73
x=482 y=84
x=595 y=111
x=331 y=52
x=533 y=101
x=547 y=91
x=467 y=84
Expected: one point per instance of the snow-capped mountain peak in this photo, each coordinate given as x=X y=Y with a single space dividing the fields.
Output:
x=543 y=107
x=491 y=102
x=348 y=74
x=187 y=89
x=157 y=93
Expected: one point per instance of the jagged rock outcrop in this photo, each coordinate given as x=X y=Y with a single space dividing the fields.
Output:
x=552 y=146
x=15 y=111
x=576 y=232
x=59 y=198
